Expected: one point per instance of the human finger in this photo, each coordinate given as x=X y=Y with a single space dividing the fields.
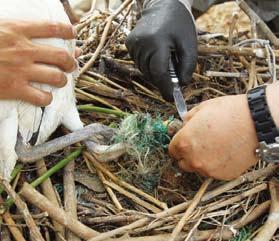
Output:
x=35 y=96
x=44 y=29
x=55 y=57
x=47 y=75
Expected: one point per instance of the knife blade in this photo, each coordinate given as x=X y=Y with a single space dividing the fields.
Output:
x=177 y=93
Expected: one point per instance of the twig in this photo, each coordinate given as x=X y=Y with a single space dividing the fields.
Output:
x=110 y=192
x=9 y=202
x=58 y=214
x=33 y=229
x=17 y=235
x=48 y=191
x=109 y=20
x=123 y=183
x=70 y=201
x=216 y=205
x=189 y=210
x=262 y=25
x=96 y=98
x=133 y=197
x=272 y=223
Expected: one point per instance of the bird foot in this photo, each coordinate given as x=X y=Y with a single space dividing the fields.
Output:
x=29 y=154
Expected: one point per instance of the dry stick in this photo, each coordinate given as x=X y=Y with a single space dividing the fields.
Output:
x=253 y=215
x=252 y=68
x=262 y=25
x=133 y=197
x=96 y=98
x=48 y=191
x=272 y=223
x=111 y=194
x=213 y=233
x=217 y=205
x=190 y=210
x=235 y=51
x=33 y=229
x=126 y=185
x=70 y=201
x=109 y=20
x=249 y=177
x=12 y=226
x=58 y=214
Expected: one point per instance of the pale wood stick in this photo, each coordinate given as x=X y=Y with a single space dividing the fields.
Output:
x=216 y=205
x=33 y=228
x=109 y=21
x=110 y=192
x=70 y=201
x=124 y=184
x=17 y=235
x=253 y=215
x=235 y=51
x=262 y=25
x=133 y=197
x=96 y=98
x=58 y=214
x=249 y=177
x=35 y=216
x=196 y=200
x=272 y=224
x=48 y=191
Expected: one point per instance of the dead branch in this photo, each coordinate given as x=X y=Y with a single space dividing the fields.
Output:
x=40 y=201
x=189 y=210
x=48 y=191
x=262 y=25
x=272 y=223
x=33 y=228
x=70 y=201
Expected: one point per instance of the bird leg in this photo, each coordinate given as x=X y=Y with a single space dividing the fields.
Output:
x=106 y=153
x=29 y=154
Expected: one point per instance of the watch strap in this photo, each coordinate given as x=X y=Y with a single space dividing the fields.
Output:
x=264 y=123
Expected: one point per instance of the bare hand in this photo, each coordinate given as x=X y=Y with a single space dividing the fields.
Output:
x=22 y=61
x=218 y=139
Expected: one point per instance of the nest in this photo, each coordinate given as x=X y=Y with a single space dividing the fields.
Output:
x=143 y=195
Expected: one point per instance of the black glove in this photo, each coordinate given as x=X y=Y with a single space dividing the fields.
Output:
x=165 y=26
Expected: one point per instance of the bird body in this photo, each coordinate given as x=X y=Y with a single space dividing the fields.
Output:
x=24 y=118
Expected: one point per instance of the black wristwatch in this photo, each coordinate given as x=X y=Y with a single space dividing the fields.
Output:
x=266 y=129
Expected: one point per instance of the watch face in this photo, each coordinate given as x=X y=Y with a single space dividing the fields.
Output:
x=268 y=152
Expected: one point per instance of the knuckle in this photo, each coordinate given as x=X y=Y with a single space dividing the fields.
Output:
x=59 y=79
x=53 y=28
x=183 y=146
x=64 y=57
x=43 y=99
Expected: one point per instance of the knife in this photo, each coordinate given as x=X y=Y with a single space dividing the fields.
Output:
x=177 y=93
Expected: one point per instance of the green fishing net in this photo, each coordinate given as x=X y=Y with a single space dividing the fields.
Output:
x=147 y=140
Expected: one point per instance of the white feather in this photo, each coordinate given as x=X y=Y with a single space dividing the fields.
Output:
x=26 y=118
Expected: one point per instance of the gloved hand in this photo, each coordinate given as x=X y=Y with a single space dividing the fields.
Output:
x=165 y=26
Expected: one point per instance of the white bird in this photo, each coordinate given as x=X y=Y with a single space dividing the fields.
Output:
x=26 y=119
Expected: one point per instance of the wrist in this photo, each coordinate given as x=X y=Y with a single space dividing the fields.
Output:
x=272 y=98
